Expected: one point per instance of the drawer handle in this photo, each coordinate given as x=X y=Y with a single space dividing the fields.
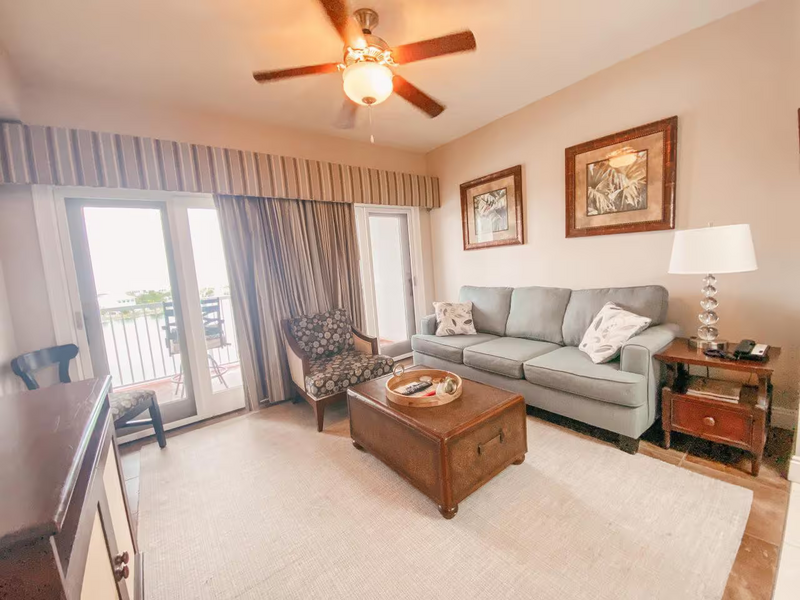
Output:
x=121 y=573
x=709 y=421
x=500 y=436
x=122 y=559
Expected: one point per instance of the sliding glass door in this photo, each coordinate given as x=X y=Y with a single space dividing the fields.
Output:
x=155 y=301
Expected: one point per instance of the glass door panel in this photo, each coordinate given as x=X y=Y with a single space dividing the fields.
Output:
x=392 y=281
x=126 y=280
x=219 y=327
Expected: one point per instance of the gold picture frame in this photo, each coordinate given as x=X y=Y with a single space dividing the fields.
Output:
x=491 y=210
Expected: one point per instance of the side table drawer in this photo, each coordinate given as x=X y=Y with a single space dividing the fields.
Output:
x=712 y=422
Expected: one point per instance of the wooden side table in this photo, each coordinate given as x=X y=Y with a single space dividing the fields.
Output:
x=742 y=425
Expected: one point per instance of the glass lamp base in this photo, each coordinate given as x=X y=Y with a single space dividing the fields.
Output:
x=696 y=342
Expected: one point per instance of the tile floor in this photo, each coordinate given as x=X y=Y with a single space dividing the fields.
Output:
x=754 y=571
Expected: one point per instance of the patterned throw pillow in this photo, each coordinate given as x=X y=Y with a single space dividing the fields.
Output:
x=612 y=327
x=454 y=318
x=323 y=334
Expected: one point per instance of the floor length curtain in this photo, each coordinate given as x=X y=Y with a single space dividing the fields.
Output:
x=285 y=258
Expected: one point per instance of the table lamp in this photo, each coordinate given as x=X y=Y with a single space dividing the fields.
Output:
x=726 y=249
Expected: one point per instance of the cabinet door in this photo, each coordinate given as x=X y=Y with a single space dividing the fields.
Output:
x=118 y=515
x=98 y=578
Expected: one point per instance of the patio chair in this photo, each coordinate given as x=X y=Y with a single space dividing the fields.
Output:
x=214 y=330
x=124 y=405
x=327 y=355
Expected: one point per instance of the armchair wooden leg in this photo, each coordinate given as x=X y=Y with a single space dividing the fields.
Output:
x=158 y=425
x=319 y=412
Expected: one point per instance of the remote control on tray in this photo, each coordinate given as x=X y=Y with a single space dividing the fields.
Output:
x=416 y=387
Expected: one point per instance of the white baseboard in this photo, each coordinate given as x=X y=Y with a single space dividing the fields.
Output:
x=784 y=418
x=794 y=469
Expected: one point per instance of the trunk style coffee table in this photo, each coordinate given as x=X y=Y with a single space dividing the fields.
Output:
x=446 y=452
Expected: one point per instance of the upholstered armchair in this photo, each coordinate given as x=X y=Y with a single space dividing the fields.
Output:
x=327 y=355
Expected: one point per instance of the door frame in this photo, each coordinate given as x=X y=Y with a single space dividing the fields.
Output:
x=418 y=279
x=61 y=280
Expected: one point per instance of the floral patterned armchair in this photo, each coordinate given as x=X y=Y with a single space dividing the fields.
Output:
x=327 y=355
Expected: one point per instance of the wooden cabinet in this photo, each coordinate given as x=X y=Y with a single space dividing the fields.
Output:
x=65 y=528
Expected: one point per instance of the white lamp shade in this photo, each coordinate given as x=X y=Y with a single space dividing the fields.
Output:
x=368 y=82
x=715 y=250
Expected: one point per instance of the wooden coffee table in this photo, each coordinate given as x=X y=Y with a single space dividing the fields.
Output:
x=446 y=452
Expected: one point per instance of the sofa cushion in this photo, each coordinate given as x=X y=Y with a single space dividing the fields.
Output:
x=537 y=313
x=447 y=348
x=334 y=374
x=490 y=306
x=647 y=301
x=323 y=334
x=570 y=370
x=505 y=355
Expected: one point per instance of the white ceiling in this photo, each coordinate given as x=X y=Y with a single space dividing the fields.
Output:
x=201 y=53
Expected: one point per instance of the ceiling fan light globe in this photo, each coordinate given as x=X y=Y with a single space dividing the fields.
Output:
x=367 y=83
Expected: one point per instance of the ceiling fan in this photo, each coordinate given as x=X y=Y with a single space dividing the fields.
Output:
x=368 y=63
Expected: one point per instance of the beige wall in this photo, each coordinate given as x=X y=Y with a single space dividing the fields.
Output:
x=734 y=85
x=8 y=344
x=65 y=108
x=9 y=89
x=23 y=270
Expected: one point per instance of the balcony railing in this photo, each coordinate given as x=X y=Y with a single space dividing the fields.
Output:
x=137 y=345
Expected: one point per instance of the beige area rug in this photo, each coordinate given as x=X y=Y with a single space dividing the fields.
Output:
x=263 y=506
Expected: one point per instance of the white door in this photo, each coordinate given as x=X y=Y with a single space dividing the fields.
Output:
x=388 y=278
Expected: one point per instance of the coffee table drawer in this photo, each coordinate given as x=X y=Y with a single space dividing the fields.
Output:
x=712 y=422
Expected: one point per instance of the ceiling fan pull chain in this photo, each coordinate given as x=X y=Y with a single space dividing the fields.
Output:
x=371 y=136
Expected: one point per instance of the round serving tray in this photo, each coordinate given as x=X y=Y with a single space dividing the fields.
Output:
x=402 y=378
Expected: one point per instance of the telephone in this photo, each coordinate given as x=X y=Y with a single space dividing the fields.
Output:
x=749 y=350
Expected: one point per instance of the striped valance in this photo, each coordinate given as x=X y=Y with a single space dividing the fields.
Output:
x=58 y=156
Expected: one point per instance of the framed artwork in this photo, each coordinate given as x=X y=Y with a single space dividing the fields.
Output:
x=491 y=210
x=623 y=183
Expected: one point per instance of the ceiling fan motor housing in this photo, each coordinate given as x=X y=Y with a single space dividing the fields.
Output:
x=367 y=19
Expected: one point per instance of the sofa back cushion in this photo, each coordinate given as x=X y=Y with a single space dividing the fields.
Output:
x=323 y=334
x=490 y=307
x=537 y=313
x=646 y=301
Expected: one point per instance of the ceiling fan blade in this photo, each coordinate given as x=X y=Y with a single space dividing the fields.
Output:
x=463 y=41
x=338 y=12
x=416 y=97
x=347 y=115
x=265 y=76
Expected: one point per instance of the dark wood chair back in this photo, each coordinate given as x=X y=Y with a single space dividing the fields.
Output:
x=26 y=365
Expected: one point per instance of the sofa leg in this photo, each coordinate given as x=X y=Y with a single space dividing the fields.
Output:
x=628 y=444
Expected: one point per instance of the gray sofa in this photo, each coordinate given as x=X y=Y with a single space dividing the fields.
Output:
x=527 y=342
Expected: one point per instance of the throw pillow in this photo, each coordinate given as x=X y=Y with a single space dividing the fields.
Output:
x=454 y=318
x=612 y=327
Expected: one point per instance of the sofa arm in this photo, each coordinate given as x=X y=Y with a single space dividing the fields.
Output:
x=364 y=343
x=637 y=357
x=298 y=362
x=637 y=353
x=427 y=325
